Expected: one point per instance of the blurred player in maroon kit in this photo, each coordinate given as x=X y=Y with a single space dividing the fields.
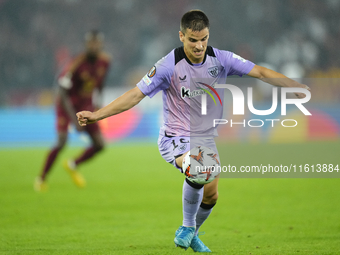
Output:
x=77 y=85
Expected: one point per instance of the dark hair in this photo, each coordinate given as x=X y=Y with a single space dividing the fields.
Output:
x=94 y=34
x=195 y=20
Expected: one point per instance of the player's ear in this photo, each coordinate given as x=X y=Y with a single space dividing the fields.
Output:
x=181 y=36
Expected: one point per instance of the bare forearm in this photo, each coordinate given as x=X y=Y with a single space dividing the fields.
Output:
x=121 y=104
x=274 y=78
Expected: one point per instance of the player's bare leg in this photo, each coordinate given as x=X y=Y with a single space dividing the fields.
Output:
x=97 y=145
x=210 y=194
x=40 y=181
x=71 y=165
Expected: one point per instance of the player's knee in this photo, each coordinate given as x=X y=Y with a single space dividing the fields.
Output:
x=61 y=143
x=179 y=160
x=210 y=198
x=99 y=146
x=60 y=146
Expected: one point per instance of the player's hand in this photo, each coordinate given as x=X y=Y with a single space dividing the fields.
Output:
x=85 y=118
x=302 y=95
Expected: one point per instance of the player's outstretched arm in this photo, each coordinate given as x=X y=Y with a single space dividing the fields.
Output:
x=276 y=79
x=121 y=104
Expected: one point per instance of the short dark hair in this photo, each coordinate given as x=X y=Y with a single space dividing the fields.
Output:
x=195 y=20
x=94 y=34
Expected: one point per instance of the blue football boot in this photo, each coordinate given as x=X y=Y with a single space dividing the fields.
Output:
x=184 y=235
x=197 y=245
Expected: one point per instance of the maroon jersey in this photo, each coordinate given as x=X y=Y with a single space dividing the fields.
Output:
x=82 y=77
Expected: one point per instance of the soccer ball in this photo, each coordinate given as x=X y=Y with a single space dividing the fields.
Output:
x=201 y=165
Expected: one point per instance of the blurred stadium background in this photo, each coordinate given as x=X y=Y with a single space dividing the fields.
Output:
x=37 y=37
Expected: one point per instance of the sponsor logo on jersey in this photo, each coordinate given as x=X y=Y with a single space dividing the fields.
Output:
x=147 y=80
x=152 y=72
x=213 y=71
x=187 y=93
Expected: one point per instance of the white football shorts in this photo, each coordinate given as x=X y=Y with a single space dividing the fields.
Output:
x=172 y=147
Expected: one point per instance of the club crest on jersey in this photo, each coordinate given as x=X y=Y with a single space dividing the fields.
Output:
x=182 y=147
x=213 y=71
x=152 y=72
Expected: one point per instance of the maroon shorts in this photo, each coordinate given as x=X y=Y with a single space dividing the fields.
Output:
x=63 y=120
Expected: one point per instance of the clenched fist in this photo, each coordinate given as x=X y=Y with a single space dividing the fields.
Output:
x=85 y=118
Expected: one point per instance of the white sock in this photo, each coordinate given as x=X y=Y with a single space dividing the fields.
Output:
x=202 y=215
x=191 y=200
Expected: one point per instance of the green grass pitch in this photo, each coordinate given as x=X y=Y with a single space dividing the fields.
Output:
x=132 y=205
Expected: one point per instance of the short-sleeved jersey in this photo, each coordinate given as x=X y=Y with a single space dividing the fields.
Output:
x=82 y=77
x=183 y=83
